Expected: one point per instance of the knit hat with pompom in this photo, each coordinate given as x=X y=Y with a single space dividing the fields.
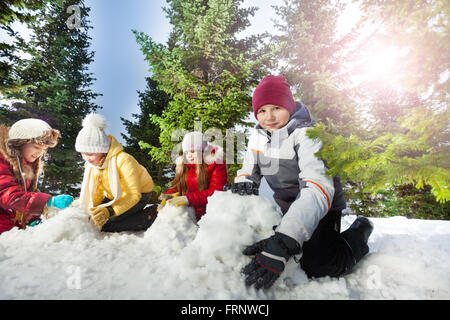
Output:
x=92 y=138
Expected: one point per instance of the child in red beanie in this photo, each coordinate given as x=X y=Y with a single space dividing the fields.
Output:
x=311 y=201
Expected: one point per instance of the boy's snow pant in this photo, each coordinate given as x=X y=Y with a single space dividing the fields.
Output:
x=329 y=252
x=132 y=220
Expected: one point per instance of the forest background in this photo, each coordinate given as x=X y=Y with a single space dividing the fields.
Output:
x=379 y=89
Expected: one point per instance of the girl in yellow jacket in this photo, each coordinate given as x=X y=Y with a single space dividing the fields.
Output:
x=115 y=188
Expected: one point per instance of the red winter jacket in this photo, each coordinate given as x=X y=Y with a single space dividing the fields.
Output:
x=13 y=196
x=216 y=177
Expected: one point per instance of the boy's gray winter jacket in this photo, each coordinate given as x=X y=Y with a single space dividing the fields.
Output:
x=298 y=178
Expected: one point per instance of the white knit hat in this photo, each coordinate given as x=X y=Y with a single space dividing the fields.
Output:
x=28 y=129
x=92 y=138
x=194 y=141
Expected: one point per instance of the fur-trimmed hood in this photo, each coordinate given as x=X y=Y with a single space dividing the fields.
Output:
x=213 y=153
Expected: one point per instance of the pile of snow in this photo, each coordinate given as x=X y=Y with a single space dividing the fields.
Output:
x=66 y=257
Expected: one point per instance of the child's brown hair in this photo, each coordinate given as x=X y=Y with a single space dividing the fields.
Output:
x=179 y=183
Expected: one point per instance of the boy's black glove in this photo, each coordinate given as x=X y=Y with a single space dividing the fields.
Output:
x=271 y=255
x=242 y=188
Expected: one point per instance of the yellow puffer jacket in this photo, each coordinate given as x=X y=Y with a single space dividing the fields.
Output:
x=134 y=180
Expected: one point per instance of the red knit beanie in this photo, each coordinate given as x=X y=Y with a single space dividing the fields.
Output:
x=273 y=90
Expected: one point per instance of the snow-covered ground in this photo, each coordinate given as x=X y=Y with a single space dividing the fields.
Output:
x=67 y=258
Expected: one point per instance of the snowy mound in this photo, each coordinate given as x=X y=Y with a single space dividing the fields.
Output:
x=66 y=257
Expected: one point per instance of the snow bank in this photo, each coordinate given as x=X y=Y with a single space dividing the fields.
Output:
x=66 y=257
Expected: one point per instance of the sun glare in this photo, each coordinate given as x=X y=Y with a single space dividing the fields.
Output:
x=380 y=63
x=379 y=60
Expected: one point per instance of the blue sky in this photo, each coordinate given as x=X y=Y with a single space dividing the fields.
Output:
x=119 y=66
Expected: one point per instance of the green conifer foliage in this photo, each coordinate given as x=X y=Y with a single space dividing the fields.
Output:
x=384 y=133
x=58 y=87
x=14 y=11
x=144 y=131
x=206 y=68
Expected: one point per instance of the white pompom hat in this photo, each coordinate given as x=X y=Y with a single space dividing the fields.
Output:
x=92 y=138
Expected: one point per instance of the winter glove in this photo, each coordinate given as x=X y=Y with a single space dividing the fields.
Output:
x=60 y=202
x=242 y=188
x=168 y=195
x=100 y=215
x=34 y=223
x=164 y=197
x=271 y=256
x=178 y=201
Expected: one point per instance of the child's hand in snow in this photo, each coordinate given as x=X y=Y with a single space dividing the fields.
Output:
x=164 y=197
x=100 y=215
x=168 y=195
x=242 y=188
x=61 y=202
x=178 y=201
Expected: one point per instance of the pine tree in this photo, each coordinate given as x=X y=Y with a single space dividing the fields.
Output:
x=14 y=11
x=383 y=135
x=312 y=56
x=206 y=68
x=406 y=136
x=143 y=131
x=58 y=87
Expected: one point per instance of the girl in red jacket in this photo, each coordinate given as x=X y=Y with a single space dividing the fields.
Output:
x=21 y=149
x=199 y=173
